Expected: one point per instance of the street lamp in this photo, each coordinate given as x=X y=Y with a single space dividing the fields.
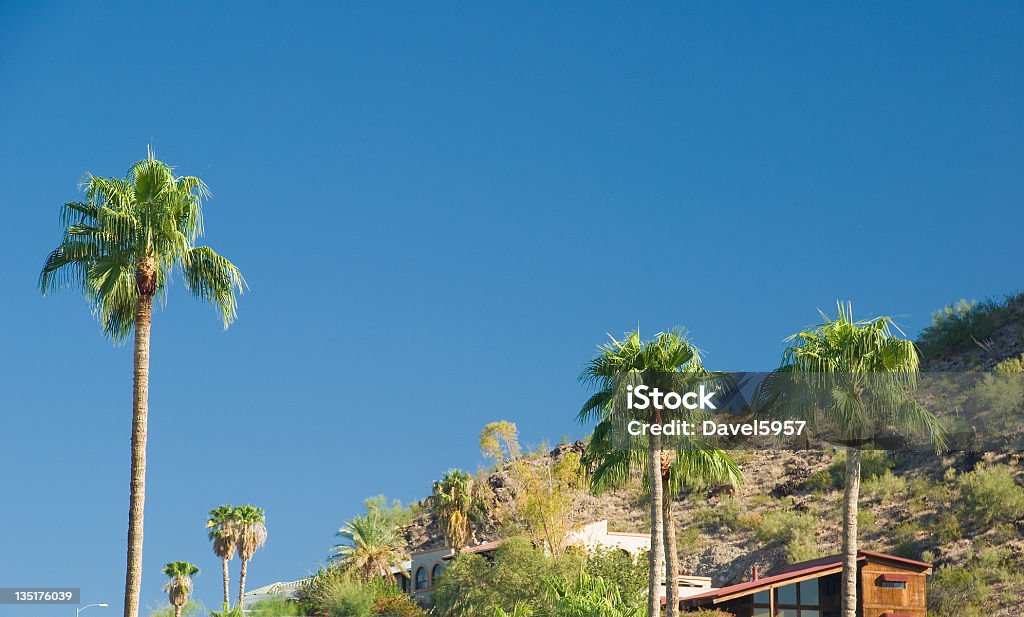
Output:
x=79 y=610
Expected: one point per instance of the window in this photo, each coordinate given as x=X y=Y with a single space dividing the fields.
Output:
x=421 y=578
x=801 y=599
x=787 y=595
x=893 y=584
x=436 y=572
x=809 y=593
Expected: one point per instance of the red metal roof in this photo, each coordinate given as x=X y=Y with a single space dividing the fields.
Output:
x=797 y=570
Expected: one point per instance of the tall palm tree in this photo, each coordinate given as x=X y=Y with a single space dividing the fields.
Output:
x=372 y=545
x=120 y=247
x=223 y=527
x=852 y=377
x=252 y=534
x=670 y=362
x=690 y=464
x=453 y=498
x=179 y=584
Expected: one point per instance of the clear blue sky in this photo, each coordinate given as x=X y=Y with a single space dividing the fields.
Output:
x=441 y=209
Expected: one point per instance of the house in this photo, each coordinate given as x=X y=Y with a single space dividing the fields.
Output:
x=888 y=586
x=427 y=565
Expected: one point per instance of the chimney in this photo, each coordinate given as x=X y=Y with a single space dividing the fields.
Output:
x=755 y=573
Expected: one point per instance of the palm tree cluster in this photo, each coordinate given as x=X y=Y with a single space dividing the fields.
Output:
x=236 y=530
x=669 y=361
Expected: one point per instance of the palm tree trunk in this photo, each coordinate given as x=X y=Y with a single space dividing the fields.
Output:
x=140 y=416
x=851 y=496
x=241 y=582
x=657 y=554
x=177 y=609
x=671 y=556
x=226 y=574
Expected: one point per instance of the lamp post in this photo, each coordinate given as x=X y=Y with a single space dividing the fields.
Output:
x=79 y=610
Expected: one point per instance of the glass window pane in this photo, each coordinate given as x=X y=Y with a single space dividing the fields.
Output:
x=761 y=597
x=804 y=612
x=787 y=595
x=762 y=612
x=787 y=612
x=809 y=593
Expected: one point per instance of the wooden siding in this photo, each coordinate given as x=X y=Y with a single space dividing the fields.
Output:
x=877 y=600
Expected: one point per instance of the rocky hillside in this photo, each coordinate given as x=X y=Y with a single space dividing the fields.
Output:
x=918 y=505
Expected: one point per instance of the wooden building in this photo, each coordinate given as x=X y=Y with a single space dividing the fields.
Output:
x=887 y=586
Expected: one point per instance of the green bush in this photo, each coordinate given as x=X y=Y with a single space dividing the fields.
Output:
x=873 y=464
x=619 y=569
x=275 y=607
x=729 y=512
x=886 y=486
x=1011 y=365
x=956 y=327
x=957 y=592
x=792 y=530
x=333 y=591
x=991 y=495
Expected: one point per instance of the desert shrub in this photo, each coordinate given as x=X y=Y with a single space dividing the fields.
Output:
x=866 y=521
x=947 y=528
x=275 y=607
x=957 y=592
x=873 y=464
x=821 y=480
x=792 y=530
x=1011 y=365
x=905 y=537
x=688 y=540
x=885 y=486
x=728 y=512
x=956 y=327
x=991 y=495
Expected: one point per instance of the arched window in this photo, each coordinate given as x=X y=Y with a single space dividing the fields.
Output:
x=435 y=573
x=421 y=578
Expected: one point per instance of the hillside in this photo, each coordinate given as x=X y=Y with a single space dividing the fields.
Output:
x=945 y=509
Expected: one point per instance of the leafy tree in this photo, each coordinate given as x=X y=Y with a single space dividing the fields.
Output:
x=860 y=376
x=223 y=527
x=335 y=591
x=120 y=248
x=252 y=534
x=399 y=515
x=179 y=583
x=371 y=545
x=542 y=508
x=471 y=585
x=620 y=569
x=499 y=441
x=453 y=499
x=670 y=362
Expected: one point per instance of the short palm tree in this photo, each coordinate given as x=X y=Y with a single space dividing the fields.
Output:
x=453 y=498
x=252 y=534
x=224 y=535
x=120 y=247
x=854 y=377
x=372 y=545
x=672 y=363
x=179 y=583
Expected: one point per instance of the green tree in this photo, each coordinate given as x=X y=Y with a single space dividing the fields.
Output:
x=670 y=362
x=120 y=248
x=589 y=596
x=860 y=376
x=179 y=583
x=453 y=498
x=542 y=508
x=372 y=545
x=223 y=526
x=252 y=534
x=499 y=441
